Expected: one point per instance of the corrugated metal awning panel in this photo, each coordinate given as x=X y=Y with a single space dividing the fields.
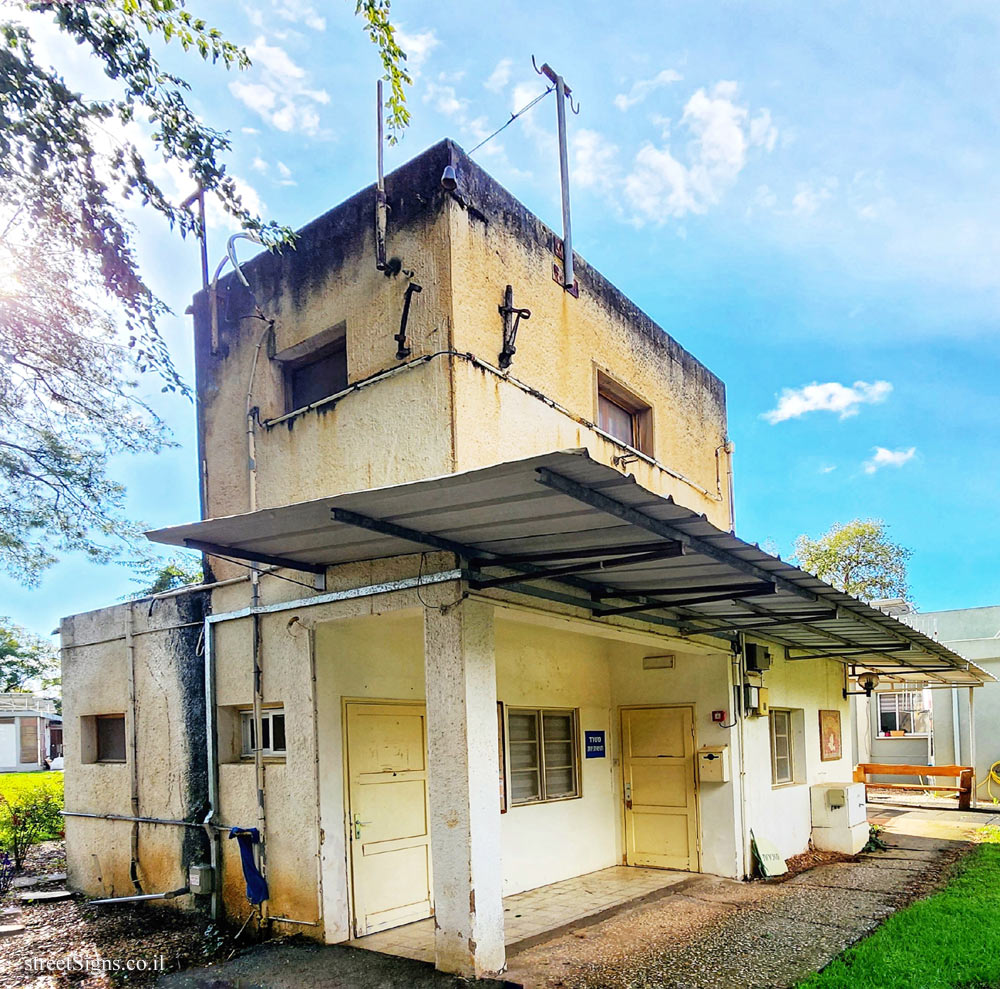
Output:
x=563 y=517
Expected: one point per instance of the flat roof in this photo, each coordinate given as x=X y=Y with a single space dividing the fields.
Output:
x=564 y=527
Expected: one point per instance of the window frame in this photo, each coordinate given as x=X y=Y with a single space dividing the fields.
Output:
x=790 y=739
x=539 y=714
x=267 y=715
x=311 y=351
x=608 y=389
x=98 y=758
x=898 y=713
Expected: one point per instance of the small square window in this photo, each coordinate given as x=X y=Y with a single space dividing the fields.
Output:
x=110 y=737
x=315 y=368
x=623 y=415
x=272 y=732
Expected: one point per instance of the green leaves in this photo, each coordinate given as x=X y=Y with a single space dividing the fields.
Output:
x=857 y=557
x=78 y=322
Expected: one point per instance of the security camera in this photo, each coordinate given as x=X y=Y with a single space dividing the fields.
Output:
x=449 y=178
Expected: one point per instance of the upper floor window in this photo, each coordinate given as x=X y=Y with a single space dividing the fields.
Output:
x=315 y=368
x=624 y=415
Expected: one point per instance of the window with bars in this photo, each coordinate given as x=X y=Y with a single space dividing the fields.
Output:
x=904 y=711
x=272 y=732
x=544 y=755
x=782 y=757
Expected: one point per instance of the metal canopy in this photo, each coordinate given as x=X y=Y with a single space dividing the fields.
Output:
x=564 y=527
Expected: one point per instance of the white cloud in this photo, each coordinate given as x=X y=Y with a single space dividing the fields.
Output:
x=280 y=94
x=763 y=133
x=418 y=47
x=259 y=165
x=828 y=469
x=500 y=76
x=661 y=185
x=808 y=198
x=298 y=13
x=888 y=458
x=594 y=160
x=643 y=87
x=830 y=396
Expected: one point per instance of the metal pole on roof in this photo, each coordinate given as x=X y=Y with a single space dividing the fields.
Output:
x=381 y=207
x=562 y=94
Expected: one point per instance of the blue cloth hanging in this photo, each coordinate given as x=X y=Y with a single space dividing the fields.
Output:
x=256 y=883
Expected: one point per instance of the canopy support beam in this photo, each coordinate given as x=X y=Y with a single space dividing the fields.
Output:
x=693 y=544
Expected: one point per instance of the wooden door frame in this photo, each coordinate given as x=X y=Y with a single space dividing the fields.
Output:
x=622 y=708
x=345 y=704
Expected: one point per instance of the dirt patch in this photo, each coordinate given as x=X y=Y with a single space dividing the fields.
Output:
x=809 y=860
x=86 y=941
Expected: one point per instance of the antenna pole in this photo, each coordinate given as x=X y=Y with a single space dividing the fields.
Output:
x=562 y=94
x=381 y=207
x=561 y=91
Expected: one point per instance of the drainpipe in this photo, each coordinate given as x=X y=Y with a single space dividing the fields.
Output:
x=132 y=737
x=739 y=663
x=258 y=672
x=211 y=831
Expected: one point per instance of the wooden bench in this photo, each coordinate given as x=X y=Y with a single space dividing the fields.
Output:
x=965 y=775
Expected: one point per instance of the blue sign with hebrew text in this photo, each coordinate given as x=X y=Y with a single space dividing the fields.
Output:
x=594 y=744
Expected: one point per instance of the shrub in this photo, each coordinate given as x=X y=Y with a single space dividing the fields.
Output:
x=27 y=817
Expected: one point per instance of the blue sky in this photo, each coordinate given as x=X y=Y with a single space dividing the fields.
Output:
x=806 y=196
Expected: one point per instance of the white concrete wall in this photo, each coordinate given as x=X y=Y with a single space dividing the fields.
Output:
x=782 y=813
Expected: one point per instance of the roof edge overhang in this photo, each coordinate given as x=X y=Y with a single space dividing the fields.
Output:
x=566 y=527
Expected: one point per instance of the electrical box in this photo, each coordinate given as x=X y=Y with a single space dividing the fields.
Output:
x=839 y=817
x=755 y=700
x=758 y=658
x=200 y=879
x=713 y=764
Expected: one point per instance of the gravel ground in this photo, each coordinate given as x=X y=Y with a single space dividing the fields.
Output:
x=71 y=933
x=719 y=934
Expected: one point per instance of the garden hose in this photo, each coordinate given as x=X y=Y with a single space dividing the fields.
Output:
x=992 y=776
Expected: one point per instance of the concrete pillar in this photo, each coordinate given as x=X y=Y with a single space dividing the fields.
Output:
x=463 y=786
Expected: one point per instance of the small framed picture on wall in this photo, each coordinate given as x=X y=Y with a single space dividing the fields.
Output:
x=830 y=743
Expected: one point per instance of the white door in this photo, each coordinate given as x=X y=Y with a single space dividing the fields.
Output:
x=388 y=825
x=8 y=742
x=661 y=820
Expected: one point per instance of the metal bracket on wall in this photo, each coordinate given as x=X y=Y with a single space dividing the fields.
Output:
x=403 y=351
x=512 y=317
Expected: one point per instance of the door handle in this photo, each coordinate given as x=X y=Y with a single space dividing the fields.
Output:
x=358 y=824
x=628 y=796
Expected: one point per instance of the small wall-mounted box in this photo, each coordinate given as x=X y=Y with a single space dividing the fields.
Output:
x=755 y=700
x=758 y=658
x=713 y=764
x=200 y=879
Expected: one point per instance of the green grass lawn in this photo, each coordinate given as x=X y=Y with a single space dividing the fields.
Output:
x=951 y=940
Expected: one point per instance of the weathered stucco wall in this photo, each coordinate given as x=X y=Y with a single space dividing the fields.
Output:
x=442 y=413
x=496 y=242
x=170 y=742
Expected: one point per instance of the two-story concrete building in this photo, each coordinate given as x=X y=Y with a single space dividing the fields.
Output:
x=477 y=622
